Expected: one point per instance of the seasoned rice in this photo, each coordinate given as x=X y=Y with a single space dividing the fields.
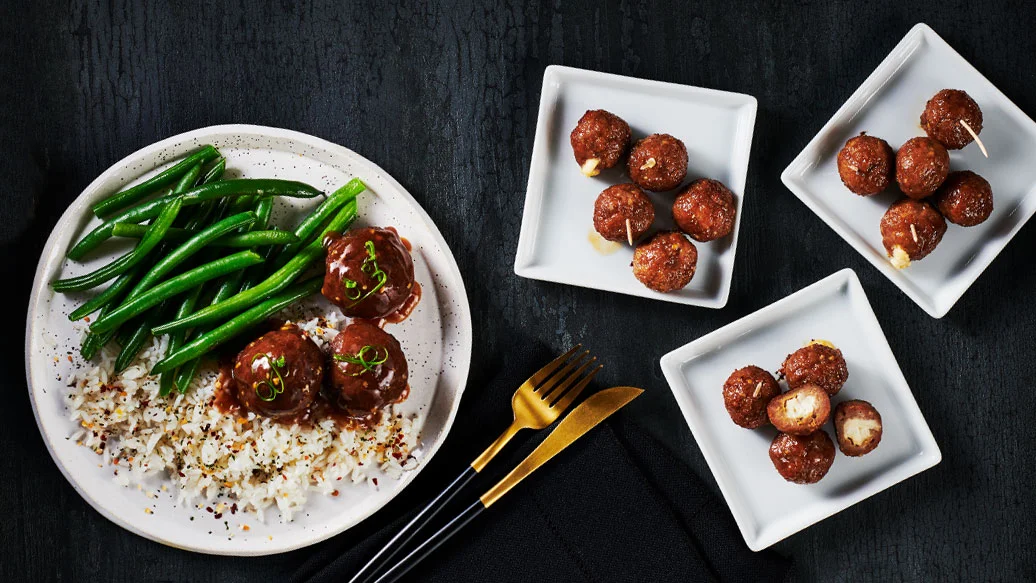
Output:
x=209 y=455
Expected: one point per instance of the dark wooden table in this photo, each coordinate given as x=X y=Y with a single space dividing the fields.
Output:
x=444 y=98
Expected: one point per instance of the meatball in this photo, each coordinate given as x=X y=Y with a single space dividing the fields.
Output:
x=803 y=459
x=942 y=116
x=665 y=262
x=619 y=205
x=705 y=210
x=746 y=393
x=857 y=427
x=800 y=411
x=965 y=199
x=910 y=230
x=818 y=364
x=599 y=140
x=279 y=374
x=921 y=166
x=658 y=163
x=368 y=370
x=369 y=272
x=865 y=164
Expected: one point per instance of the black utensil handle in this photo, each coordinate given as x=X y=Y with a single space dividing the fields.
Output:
x=433 y=542
x=370 y=571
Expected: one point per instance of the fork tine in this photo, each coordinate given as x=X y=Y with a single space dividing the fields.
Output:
x=548 y=387
x=562 y=403
x=542 y=374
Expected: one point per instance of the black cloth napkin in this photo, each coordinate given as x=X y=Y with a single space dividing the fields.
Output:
x=616 y=505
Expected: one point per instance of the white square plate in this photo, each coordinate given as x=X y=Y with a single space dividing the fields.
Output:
x=888 y=105
x=557 y=237
x=766 y=507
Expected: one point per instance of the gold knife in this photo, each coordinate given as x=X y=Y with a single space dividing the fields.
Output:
x=582 y=419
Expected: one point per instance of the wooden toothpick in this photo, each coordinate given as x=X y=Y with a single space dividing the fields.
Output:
x=981 y=146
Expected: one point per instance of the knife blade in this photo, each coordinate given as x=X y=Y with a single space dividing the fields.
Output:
x=583 y=418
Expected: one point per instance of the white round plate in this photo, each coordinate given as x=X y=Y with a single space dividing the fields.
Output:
x=436 y=339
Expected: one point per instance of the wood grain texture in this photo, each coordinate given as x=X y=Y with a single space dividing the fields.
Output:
x=444 y=97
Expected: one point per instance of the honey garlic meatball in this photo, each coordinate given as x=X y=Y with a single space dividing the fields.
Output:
x=818 y=364
x=278 y=374
x=866 y=164
x=964 y=199
x=599 y=140
x=619 y=204
x=800 y=411
x=944 y=112
x=910 y=230
x=705 y=210
x=658 y=163
x=921 y=166
x=802 y=459
x=857 y=427
x=746 y=393
x=665 y=262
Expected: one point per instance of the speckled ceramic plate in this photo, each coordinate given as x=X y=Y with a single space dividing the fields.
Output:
x=888 y=105
x=436 y=339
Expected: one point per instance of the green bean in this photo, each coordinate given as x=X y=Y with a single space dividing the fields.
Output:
x=188 y=180
x=176 y=339
x=189 y=248
x=104 y=298
x=121 y=200
x=174 y=286
x=276 y=282
x=215 y=172
x=239 y=241
x=154 y=235
x=311 y=224
x=240 y=323
x=194 y=196
x=186 y=373
x=135 y=342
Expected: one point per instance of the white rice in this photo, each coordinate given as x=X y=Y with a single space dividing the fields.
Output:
x=209 y=455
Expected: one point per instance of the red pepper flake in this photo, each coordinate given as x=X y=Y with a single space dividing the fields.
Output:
x=334 y=493
x=375 y=481
x=218 y=515
x=233 y=508
x=208 y=509
x=397 y=455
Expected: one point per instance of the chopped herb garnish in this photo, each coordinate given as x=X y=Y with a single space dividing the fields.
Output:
x=371 y=269
x=368 y=357
x=273 y=385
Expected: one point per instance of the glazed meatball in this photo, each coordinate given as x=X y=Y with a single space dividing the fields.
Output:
x=368 y=370
x=910 y=230
x=665 y=262
x=369 y=272
x=619 y=204
x=705 y=210
x=803 y=459
x=818 y=363
x=800 y=411
x=857 y=427
x=965 y=199
x=279 y=374
x=658 y=163
x=944 y=112
x=865 y=164
x=921 y=166
x=599 y=140
x=746 y=393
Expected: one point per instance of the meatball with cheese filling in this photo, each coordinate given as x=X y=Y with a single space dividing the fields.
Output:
x=858 y=427
x=800 y=411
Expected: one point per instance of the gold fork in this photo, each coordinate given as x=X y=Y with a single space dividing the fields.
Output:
x=537 y=403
